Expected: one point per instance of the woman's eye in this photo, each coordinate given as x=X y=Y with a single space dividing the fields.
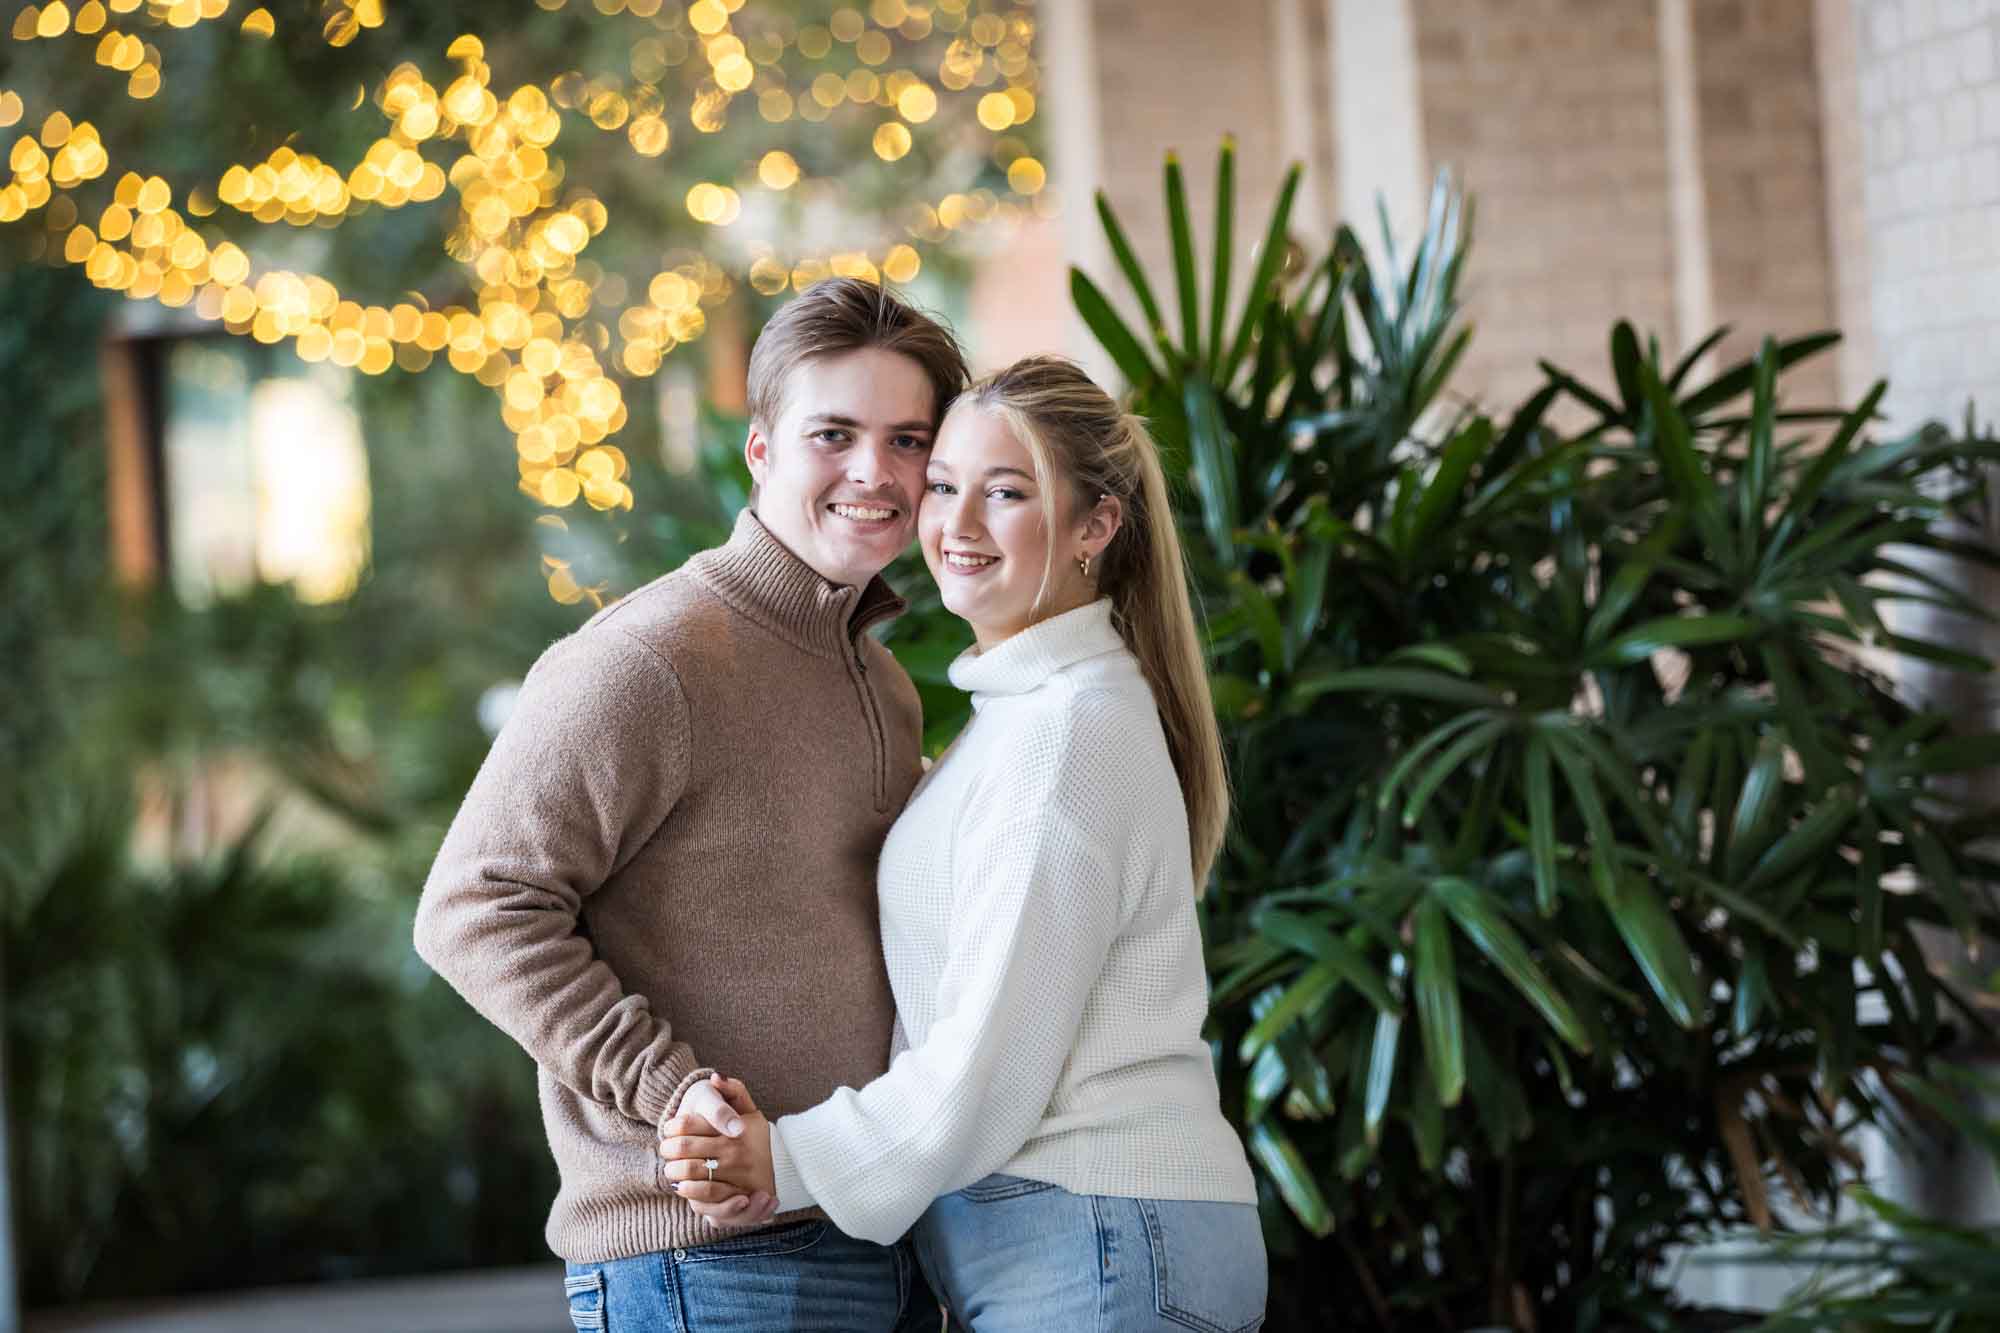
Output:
x=1004 y=493
x=939 y=488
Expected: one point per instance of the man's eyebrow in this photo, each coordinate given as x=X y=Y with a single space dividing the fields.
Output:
x=840 y=419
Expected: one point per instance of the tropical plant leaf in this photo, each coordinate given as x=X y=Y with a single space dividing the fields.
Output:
x=1692 y=484
x=1389 y=680
x=1381 y=1074
x=1135 y=276
x=1109 y=330
x=1214 y=456
x=1439 y=1014
x=1693 y=357
x=1261 y=290
x=1625 y=360
x=1739 y=379
x=1225 y=220
x=1464 y=748
x=1657 y=945
x=1483 y=924
x=1632 y=577
x=1342 y=956
x=1180 y=228
x=1282 y=1161
x=1642 y=641
x=1444 y=491
x=1755 y=822
x=1542 y=824
x=1312 y=987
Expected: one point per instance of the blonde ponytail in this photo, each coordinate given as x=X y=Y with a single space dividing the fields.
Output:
x=1081 y=442
x=1157 y=618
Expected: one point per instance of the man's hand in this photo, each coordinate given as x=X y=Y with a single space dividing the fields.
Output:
x=722 y=1102
x=718 y=1119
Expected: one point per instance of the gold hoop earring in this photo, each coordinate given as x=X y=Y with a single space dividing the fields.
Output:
x=1083 y=565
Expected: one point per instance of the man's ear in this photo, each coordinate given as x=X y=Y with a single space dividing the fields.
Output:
x=757 y=452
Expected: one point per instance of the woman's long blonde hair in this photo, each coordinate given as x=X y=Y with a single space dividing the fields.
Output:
x=1083 y=444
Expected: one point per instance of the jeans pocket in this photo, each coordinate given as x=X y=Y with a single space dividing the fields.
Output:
x=585 y=1291
x=792 y=1238
x=1209 y=1268
x=995 y=1187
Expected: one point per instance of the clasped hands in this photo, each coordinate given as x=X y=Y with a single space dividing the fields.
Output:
x=718 y=1120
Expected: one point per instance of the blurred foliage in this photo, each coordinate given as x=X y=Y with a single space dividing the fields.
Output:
x=221 y=1059
x=1889 y=1268
x=222 y=1071
x=1571 y=794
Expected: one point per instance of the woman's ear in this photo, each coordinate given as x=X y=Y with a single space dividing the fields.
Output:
x=1101 y=524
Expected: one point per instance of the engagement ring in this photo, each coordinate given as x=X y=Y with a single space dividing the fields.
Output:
x=711 y=1163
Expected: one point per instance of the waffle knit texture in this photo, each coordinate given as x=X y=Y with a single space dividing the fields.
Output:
x=667 y=865
x=1038 y=922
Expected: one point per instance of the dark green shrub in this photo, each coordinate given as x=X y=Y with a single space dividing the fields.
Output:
x=1569 y=804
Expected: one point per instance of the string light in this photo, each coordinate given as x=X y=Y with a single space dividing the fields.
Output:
x=545 y=327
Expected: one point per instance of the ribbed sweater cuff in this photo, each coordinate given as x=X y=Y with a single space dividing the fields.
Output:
x=670 y=1094
x=785 y=1177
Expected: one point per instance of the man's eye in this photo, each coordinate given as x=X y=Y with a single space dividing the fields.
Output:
x=829 y=434
x=912 y=442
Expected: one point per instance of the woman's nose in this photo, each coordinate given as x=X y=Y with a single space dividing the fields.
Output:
x=961 y=516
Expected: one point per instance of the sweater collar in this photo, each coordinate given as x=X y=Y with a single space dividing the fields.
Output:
x=758 y=576
x=1023 y=662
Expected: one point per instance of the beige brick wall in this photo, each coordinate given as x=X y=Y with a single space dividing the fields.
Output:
x=1929 y=86
x=1179 y=74
x=1764 y=181
x=1845 y=160
x=1551 y=113
x=1930 y=105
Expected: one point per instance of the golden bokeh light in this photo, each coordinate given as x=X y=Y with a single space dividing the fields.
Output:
x=543 y=323
x=901 y=264
x=917 y=103
x=996 y=111
x=1026 y=176
x=778 y=170
x=892 y=140
x=847 y=24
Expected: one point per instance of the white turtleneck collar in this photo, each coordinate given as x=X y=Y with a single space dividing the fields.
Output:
x=1023 y=662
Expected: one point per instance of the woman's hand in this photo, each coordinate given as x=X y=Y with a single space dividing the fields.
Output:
x=718 y=1120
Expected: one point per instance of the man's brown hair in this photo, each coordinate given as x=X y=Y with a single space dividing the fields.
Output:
x=844 y=315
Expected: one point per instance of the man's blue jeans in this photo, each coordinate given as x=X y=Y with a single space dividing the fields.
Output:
x=808 y=1275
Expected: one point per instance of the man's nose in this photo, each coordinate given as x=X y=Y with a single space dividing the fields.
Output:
x=869 y=464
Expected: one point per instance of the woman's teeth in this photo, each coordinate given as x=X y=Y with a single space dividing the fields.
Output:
x=863 y=513
x=957 y=560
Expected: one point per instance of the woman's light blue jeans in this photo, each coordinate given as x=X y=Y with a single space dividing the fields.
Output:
x=1009 y=1255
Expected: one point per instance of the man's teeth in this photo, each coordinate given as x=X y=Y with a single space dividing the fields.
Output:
x=958 y=560
x=863 y=513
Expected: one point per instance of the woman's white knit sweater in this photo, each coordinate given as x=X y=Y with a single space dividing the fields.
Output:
x=1038 y=923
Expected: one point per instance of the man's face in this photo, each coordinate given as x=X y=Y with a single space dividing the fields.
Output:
x=839 y=475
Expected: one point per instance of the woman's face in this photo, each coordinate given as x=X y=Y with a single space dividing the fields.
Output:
x=984 y=537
